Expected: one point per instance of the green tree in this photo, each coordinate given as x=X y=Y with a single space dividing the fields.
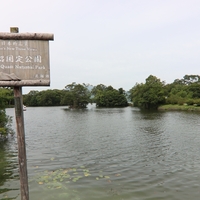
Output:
x=189 y=79
x=30 y=99
x=98 y=88
x=49 y=97
x=184 y=90
x=109 y=97
x=5 y=120
x=7 y=96
x=44 y=98
x=76 y=95
x=194 y=90
x=148 y=95
x=135 y=94
x=5 y=123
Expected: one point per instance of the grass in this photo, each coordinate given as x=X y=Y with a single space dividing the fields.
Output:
x=179 y=107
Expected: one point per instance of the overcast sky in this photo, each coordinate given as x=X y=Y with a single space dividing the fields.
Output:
x=111 y=42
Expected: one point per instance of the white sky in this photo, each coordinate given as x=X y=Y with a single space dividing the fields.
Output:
x=111 y=42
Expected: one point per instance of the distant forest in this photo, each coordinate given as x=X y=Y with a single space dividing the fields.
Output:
x=150 y=94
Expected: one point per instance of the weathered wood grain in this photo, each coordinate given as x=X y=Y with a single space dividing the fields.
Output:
x=19 y=115
x=26 y=36
x=25 y=83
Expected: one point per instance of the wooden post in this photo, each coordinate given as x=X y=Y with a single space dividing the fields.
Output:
x=21 y=137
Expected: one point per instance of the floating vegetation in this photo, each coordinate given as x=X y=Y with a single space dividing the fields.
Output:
x=102 y=176
x=60 y=183
x=58 y=179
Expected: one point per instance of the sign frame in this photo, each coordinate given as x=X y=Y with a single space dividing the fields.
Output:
x=24 y=59
x=9 y=79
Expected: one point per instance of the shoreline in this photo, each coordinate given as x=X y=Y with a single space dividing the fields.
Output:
x=177 y=107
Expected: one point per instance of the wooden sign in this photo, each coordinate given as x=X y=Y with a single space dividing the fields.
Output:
x=24 y=59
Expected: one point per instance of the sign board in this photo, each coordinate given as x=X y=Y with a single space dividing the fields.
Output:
x=24 y=60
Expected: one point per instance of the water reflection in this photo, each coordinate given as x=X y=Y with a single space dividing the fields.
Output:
x=115 y=154
x=9 y=178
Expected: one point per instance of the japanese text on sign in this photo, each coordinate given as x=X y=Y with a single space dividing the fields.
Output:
x=24 y=59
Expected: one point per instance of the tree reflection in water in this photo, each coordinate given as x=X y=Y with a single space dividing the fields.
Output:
x=9 y=176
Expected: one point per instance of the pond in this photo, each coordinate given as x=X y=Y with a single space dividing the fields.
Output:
x=107 y=153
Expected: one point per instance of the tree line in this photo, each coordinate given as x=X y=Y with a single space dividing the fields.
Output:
x=155 y=92
x=150 y=94
x=78 y=96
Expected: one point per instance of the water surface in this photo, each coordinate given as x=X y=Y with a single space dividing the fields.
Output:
x=118 y=153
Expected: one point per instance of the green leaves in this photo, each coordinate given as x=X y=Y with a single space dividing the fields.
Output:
x=148 y=95
x=5 y=124
x=6 y=97
x=76 y=95
x=109 y=97
x=44 y=98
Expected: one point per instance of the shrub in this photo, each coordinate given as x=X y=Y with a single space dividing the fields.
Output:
x=5 y=125
x=190 y=102
x=181 y=101
x=197 y=102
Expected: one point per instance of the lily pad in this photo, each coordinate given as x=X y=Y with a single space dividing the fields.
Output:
x=57 y=179
x=86 y=174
